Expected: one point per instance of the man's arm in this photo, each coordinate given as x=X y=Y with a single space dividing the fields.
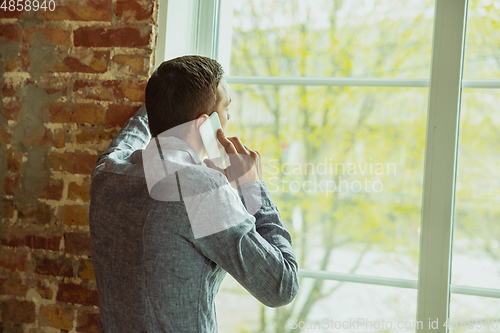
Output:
x=133 y=136
x=257 y=252
x=254 y=246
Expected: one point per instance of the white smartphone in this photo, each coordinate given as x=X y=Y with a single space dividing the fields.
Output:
x=215 y=151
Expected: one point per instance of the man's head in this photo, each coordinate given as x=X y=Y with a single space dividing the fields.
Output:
x=182 y=89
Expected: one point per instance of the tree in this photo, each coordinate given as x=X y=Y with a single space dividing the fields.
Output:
x=297 y=128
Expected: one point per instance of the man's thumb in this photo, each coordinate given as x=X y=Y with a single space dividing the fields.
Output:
x=212 y=165
x=209 y=163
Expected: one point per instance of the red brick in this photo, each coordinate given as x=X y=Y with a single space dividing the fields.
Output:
x=48 y=34
x=57 y=316
x=54 y=138
x=12 y=288
x=14 y=159
x=13 y=242
x=78 y=243
x=8 y=208
x=45 y=243
x=134 y=91
x=6 y=134
x=14 y=237
x=76 y=215
x=119 y=114
x=56 y=267
x=10 y=32
x=126 y=64
x=82 y=60
x=10 y=185
x=82 y=113
x=87 y=322
x=53 y=190
x=111 y=90
x=18 y=311
x=93 y=137
x=138 y=37
x=73 y=162
x=8 y=89
x=12 y=109
x=54 y=83
x=76 y=294
x=12 y=259
x=134 y=11
x=44 y=292
x=86 y=270
x=38 y=213
x=56 y=35
x=13 y=86
x=80 y=191
x=79 y=10
x=31 y=35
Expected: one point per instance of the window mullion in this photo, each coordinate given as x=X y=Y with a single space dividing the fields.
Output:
x=440 y=163
x=208 y=15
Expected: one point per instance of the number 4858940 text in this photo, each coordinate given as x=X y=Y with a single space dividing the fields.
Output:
x=28 y=5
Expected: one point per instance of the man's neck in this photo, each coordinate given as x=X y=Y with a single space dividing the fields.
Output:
x=198 y=146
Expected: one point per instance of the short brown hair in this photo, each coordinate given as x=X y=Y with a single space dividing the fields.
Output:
x=180 y=90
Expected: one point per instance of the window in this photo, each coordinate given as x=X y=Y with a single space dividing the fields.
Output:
x=476 y=247
x=339 y=97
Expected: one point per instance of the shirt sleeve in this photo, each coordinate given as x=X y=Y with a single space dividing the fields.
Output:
x=133 y=136
x=255 y=249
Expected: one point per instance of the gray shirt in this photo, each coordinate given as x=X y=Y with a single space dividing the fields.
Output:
x=153 y=274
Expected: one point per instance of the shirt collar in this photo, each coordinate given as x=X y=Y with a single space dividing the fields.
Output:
x=170 y=143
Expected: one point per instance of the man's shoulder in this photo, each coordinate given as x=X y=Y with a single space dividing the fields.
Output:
x=199 y=179
x=188 y=179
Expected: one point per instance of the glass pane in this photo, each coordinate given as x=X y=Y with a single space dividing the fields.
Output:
x=325 y=38
x=348 y=304
x=479 y=314
x=482 y=52
x=476 y=245
x=345 y=168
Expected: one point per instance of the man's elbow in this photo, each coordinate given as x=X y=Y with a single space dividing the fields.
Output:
x=286 y=294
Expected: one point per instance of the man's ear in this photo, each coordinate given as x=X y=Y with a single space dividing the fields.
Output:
x=201 y=119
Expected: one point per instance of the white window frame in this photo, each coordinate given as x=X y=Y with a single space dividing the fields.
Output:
x=210 y=19
x=186 y=27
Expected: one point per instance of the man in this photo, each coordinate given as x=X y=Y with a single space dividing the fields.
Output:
x=165 y=228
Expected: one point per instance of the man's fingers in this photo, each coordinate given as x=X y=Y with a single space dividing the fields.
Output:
x=212 y=165
x=209 y=163
x=228 y=145
x=240 y=147
x=254 y=153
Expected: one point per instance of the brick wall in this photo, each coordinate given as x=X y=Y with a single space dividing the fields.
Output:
x=70 y=78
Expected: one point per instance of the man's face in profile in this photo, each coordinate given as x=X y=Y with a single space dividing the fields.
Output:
x=225 y=100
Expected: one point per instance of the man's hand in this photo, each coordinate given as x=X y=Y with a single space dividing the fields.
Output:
x=245 y=165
